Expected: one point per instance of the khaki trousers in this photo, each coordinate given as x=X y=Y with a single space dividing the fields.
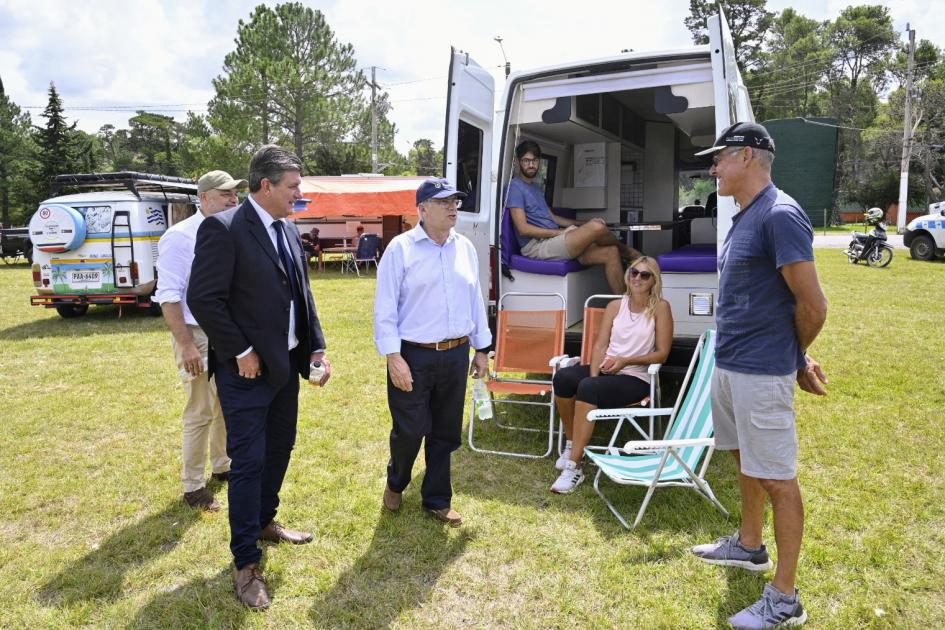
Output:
x=203 y=421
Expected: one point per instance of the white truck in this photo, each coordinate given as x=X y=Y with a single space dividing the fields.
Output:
x=100 y=246
x=616 y=134
x=925 y=235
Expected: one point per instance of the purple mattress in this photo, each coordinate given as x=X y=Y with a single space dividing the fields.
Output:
x=691 y=259
x=547 y=267
x=512 y=255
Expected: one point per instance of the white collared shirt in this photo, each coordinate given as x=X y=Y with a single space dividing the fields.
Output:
x=175 y=258
x=266 y=219
x=428 y=292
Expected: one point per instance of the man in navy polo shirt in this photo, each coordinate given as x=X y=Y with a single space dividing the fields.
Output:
x=770 y=309
x=547 y=236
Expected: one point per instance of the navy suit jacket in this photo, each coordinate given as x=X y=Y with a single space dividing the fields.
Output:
x=240 y=296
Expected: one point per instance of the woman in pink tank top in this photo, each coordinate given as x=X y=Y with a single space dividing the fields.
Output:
x=635 y=331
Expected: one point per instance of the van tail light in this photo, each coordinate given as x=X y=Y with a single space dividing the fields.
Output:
x=37 y=276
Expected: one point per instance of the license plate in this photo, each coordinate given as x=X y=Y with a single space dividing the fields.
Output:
x=86 y=276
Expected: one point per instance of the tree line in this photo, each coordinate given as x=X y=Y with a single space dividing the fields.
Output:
x=852 y=69
x=288 y=80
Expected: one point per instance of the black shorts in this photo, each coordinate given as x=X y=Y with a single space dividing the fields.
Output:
x=607 y=391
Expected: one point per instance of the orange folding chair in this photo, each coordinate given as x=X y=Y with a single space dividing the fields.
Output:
x=528 y=342
x=594 y=308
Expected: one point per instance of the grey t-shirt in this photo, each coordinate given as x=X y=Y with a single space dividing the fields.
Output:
x=530 y=198
x=755 y=313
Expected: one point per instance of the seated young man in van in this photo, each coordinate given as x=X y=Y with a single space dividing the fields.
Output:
x=547 y=236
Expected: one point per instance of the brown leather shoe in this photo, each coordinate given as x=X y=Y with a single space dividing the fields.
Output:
x=202 y=499
x=222 y=477
x=392 y=500
x=275 y=532
x=251 y=587
x=447 y=515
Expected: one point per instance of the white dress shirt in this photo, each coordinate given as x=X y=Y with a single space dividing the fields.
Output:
x=428 y=292
x=175 y=257
x=266 y=219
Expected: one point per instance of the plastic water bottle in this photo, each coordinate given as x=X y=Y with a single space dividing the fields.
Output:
x=316 y=372
x=481 y=399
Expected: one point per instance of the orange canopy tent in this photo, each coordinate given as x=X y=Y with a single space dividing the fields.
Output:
x=359 y=195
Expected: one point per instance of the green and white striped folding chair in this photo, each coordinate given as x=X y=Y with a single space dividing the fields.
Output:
x=673 y=460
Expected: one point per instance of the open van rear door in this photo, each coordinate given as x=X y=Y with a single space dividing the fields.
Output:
x=731 y=99
x=467 y=152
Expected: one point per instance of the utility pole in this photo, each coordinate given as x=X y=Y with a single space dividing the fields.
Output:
x=906 y=139
x=373 y=120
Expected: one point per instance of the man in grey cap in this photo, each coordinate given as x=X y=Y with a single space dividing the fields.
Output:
x=203 y=419
x=770 y=310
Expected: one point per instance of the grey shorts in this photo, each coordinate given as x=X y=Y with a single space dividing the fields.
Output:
x=754 y=413
x=548 y=248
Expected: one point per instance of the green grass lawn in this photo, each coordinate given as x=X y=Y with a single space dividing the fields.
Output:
x=94 y=532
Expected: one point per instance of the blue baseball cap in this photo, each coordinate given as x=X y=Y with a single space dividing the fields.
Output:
x=437 y=189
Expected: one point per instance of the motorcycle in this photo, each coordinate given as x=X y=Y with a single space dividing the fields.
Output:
x=871 y=246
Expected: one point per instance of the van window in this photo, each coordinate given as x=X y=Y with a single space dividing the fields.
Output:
x=469 y=165
x=98 y=219
x=546 y=177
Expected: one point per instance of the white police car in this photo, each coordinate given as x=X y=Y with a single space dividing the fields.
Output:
x=925 y=235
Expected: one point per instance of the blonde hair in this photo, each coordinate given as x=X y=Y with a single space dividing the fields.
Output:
x=656 y=292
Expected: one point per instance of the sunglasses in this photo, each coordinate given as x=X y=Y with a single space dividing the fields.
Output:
x=721 y=154
x=646 y=275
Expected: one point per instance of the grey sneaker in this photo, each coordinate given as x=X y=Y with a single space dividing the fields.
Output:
x=773 y=610
x=729 y=552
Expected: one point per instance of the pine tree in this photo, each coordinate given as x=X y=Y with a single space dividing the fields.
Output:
x=55 y=140
x=16 y=153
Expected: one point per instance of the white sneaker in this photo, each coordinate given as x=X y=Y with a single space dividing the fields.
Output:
x=569 y=479
x=565 y=457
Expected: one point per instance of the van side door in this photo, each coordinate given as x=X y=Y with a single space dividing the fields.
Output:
x=731 y=100
x=467 y=152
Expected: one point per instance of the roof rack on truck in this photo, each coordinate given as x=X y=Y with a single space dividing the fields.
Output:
x=133 y=181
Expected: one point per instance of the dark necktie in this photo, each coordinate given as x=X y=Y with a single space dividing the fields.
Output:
x=294 y=288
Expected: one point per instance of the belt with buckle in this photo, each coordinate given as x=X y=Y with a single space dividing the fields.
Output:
x=446 y=344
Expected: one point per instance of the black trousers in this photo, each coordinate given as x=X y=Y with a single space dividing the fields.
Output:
x=260 y=433
x=606 y=391
x=431 y=414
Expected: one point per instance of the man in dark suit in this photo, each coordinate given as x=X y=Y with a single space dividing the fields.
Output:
x=249 y=291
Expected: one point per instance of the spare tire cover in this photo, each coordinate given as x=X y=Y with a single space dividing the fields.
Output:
x=56 y=228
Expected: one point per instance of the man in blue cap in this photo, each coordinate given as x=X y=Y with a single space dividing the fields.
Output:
x=428 y=312
x=770 y=310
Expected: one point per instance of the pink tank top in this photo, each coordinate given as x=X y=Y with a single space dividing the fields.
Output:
x=632 y=334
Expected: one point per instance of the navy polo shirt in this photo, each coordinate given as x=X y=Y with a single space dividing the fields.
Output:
x=755 y=310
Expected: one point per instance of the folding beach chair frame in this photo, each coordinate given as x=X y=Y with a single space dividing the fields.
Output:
x=496 y=378
x=668 y=447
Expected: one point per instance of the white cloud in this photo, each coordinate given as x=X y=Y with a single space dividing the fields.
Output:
x=104 y=53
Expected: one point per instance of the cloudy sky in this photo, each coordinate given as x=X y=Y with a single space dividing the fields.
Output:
x=110 y=57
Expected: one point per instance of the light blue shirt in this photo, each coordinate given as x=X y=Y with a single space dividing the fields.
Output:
x=428 y=292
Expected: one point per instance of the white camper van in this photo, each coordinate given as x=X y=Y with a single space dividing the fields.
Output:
x=615 y=134
x=100 y=246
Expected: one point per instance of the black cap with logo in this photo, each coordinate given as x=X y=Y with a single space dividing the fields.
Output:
x=742 y=134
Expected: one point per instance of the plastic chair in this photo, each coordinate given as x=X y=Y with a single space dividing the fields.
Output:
x=366 y=253
x=594 y=307
x=673 y=460
x=527 y=341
